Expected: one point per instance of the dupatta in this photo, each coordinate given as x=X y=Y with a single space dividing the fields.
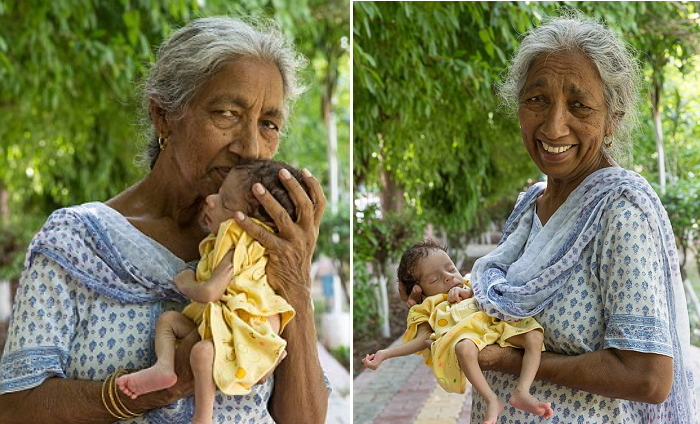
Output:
x=96 y=245
x=512 y=282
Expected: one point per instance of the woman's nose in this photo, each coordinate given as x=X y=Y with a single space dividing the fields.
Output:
x=556 y=121
x=246 y=142
x=210 y=200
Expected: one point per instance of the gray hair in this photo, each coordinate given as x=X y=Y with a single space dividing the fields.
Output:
x=619 y=70
x=195 y=52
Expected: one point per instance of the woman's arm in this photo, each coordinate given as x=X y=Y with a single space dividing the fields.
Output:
x=623 y=374
x=69 y=401
x=299 y=379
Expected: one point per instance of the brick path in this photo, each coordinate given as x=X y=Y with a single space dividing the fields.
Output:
x=404 y=391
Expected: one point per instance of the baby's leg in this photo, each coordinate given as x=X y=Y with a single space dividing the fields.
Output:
x=468 y=357
x=202 y=362
x=531 y=342
x=275 y=322
x=170 y=327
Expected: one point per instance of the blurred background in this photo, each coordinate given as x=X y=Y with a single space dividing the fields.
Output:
x=70 y=123
x=434 y=155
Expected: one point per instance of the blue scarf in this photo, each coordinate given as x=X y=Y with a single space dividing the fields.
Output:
x=512 y=282
x=102 y=250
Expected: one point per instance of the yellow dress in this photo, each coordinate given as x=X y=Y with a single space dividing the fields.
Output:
x=245 y=346
x=452 y=323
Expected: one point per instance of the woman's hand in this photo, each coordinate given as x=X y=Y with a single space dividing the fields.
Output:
x=505 y=359
x=299 y=379
x=291 y=248
x=414 y=298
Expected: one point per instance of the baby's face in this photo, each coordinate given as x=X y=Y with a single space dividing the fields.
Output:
x=220 y=207
x=436 y=273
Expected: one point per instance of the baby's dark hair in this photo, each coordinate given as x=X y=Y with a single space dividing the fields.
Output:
x=266 y=172
x=411 y=258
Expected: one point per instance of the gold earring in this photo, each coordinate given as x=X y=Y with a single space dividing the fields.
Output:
x=608 y=141
x=161 y=142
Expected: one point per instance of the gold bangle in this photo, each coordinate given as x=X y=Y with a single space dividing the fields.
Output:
x=106 y=387
x=121 y=407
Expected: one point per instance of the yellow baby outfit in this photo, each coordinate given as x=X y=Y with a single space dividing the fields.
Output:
x=245 y=346
x=452 y=323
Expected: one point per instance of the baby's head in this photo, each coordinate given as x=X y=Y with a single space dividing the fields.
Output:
x=427 y=264
x=236 y=193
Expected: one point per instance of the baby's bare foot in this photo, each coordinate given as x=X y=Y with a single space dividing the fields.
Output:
x=146 y=381
x=493 y=408
x=527 y=402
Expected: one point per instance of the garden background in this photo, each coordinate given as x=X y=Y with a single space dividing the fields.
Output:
x=70 y=112
x=434 y=154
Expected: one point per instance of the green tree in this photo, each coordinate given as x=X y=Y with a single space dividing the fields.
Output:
x=428 y=132
x=69 y=72
x=427 y=129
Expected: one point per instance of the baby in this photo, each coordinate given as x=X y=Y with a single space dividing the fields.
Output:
x=240 y=318
x=451 y=317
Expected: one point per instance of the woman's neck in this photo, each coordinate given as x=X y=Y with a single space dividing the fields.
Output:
x=159 y=212
x=558 y=190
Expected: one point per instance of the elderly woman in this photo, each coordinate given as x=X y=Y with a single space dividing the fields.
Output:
x=590 y=253
x=97 y=276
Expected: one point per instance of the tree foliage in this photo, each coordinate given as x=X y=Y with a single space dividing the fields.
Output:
x=426 y=117
x=70 y=71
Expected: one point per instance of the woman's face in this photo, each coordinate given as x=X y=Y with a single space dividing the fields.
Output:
x=236 y=113
x=562 y=116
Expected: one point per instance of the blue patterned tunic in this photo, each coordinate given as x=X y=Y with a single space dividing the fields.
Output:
x=88 y=301
x=616 y=296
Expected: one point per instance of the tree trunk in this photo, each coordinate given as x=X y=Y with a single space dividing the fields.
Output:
x=384 y=305
x=659 y=137
x=332 y=141
x=391 y=197
x=657 y=87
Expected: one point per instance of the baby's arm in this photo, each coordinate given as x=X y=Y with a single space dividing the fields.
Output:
x=210 y=290
x=372 y=361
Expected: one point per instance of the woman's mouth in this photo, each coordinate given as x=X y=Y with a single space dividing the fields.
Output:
x=555 y=149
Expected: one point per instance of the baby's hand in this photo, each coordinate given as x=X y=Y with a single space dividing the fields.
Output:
x=184 y=278
x=372 y=361
x=458 y=294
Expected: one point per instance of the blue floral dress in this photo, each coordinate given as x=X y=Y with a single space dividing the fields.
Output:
x=622 y=293
x=88 y=301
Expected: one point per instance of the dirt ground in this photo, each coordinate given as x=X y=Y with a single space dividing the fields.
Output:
x=364 y=344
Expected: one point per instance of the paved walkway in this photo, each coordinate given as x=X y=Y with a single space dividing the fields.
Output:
x=339 y=377
x=404 y=391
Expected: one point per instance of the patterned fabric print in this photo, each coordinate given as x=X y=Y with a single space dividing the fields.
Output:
x=615 y=298
x=61 y=327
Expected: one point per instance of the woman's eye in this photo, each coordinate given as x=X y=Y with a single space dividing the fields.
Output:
x=228 y=113
x=271 y=126
x=580 y=105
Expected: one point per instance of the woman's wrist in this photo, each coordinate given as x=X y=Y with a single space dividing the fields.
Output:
x=114 y=401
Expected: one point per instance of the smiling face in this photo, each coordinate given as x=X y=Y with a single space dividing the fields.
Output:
x=236 y=113
x=562 y=116
x=436 y=273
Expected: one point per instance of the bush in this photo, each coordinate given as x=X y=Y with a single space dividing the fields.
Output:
x=380 y=239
